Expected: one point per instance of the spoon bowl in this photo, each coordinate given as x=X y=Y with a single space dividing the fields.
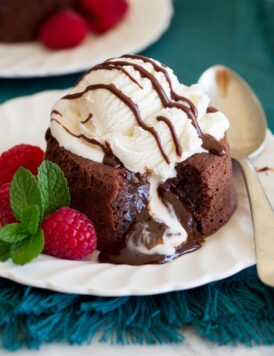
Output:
x=230 y=94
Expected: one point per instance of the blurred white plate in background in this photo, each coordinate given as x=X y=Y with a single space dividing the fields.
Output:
x=144 y=24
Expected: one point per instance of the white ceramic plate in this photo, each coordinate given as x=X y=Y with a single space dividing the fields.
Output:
x=230 y=250
x=144 y=24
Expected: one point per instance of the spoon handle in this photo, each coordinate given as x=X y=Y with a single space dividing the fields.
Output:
x=263 y=222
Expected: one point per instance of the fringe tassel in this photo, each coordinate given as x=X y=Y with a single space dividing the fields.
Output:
x=236 y=310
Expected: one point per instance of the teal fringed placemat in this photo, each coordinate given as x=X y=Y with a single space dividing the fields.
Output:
x=237 y=310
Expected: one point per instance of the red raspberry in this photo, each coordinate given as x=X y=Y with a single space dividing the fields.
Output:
x=69 y=234
x=102 y=15
x=26 y=156
x=66 y=29
x=6 y=216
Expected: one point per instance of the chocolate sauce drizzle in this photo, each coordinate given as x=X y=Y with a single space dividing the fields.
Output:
x=213 y=146
x=178 y=147
x=162 y=68
x=264 y=169
x=129 y=102
x=87 y=119
x=210 y=109
x=56 y=113
x=209 y=142
x=107 y=66
x=110 y=159
x=159 y=89
x=84 y=137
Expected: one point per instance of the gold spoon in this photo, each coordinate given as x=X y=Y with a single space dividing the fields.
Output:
x=230 y=94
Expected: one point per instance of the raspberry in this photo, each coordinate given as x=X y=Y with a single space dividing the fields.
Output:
x=26 y=156
x=65 y=29
x=6 y=216
x=69 y=234
x=102 y=15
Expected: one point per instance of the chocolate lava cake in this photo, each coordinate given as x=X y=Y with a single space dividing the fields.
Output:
x=20 y=20
x=112 y=197
x=200 y=192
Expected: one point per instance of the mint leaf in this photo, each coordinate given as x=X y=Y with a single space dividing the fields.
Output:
x=53 y=186
x=30 y=218
x=24 y=191
x=4 y=251
x=25 y=251
x=12 y=233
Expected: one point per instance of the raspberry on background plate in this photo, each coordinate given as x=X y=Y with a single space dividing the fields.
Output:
x=65 y=29
x=102 y=15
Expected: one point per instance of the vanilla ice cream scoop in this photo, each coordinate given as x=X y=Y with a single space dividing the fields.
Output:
x=138 y=107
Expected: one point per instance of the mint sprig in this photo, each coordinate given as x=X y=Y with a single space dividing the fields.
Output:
x=30 y=219
x=4 y=251
x=31 y=200
x=24 y=191
x=13 y=233
x=26 y=250
x=53 y=187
